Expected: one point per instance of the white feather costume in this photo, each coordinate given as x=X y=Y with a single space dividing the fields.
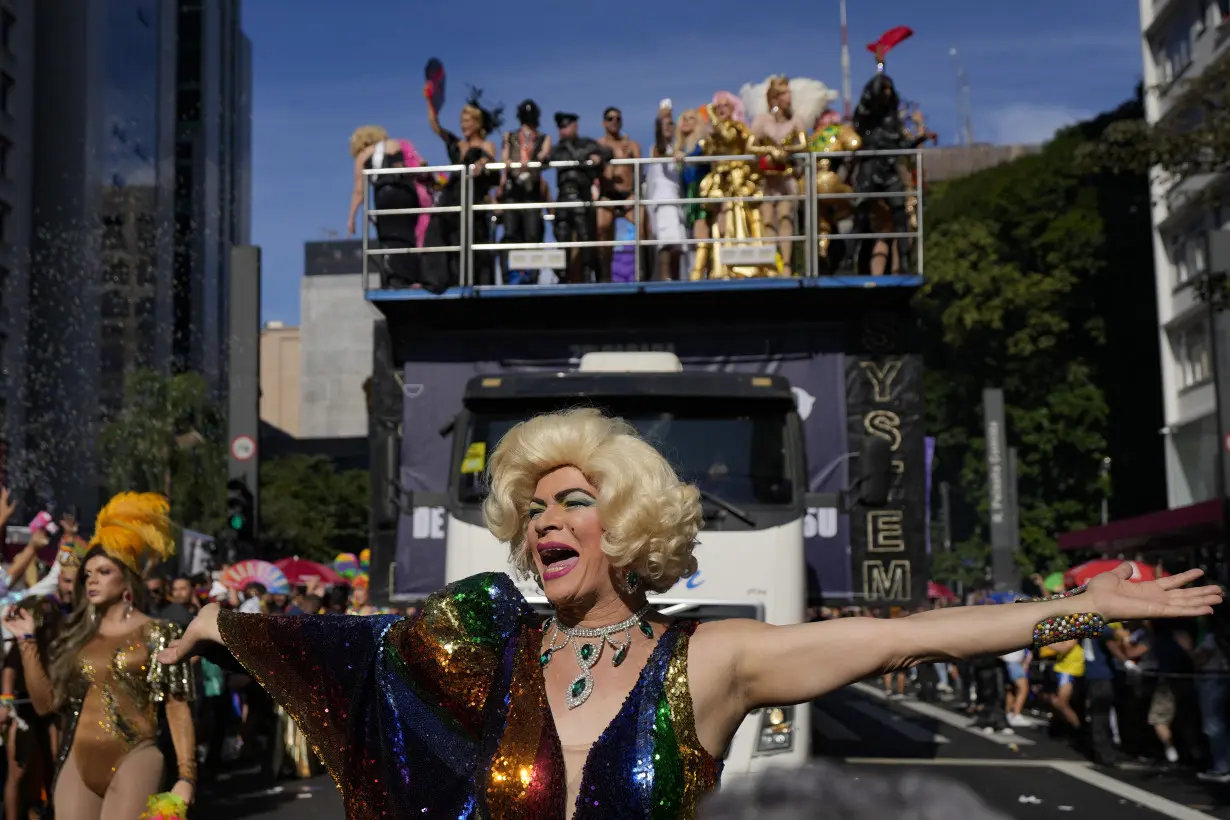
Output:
x=808 y=98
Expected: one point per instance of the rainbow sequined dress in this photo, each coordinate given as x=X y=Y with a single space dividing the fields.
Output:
x=445 y=714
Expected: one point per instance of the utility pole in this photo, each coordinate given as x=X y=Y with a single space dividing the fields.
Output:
x=243 y=398
x=847 y=110
x=1104 y=475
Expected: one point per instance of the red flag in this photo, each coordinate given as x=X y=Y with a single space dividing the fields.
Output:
x=893 y=37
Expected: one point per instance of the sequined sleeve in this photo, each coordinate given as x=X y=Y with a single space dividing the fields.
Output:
x=168 y=681
x=451 y=650
x=383 y=699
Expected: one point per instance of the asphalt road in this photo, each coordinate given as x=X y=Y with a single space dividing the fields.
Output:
x=1022 y=775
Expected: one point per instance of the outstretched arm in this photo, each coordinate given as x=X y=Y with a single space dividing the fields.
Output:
x=799 y=663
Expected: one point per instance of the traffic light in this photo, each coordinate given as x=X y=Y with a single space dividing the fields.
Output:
x=239 y=510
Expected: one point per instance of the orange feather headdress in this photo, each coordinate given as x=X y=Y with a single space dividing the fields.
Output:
x=133 y=528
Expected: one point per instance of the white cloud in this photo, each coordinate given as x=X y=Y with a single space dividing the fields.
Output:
x=1026 y=123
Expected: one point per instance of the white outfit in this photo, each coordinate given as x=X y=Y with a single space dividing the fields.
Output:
x=662 y=182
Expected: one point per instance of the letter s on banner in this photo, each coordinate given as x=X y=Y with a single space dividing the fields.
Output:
x=820 y=522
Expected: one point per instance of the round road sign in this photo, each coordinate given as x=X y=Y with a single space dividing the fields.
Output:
x=243 y=448
x=1226 y=441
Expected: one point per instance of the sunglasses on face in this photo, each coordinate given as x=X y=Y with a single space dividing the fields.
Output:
x=613 y=118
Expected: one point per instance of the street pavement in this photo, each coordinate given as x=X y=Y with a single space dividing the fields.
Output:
x=1025 y=774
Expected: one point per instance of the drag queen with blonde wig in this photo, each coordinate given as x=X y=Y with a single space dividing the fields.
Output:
x=782 y=110
x=105 y=679
x=478 y=707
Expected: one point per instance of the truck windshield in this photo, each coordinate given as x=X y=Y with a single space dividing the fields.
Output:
x=738 y=455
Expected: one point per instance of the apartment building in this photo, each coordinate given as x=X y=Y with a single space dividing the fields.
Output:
x=1180 y=39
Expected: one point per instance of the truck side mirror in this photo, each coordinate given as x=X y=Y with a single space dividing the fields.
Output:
x=875 y=462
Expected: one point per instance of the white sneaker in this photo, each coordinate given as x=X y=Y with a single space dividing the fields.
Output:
x=1019 y=721
x=1172 y=756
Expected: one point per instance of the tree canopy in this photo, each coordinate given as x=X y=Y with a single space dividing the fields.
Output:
x=1023 y=275
x=168 y=437
x=311 y=509
x=1192 y=136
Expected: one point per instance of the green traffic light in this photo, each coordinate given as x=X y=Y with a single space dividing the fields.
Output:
x=237 y=522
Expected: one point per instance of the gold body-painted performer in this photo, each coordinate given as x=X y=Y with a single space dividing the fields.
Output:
x=834 y=136
x=734 y=178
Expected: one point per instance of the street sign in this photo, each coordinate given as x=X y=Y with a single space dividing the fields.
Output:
x=243 y=448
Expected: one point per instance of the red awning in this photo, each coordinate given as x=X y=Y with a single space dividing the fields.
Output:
x=1182 y=526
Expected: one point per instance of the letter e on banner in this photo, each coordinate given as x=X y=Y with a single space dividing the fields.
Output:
x=428 y=523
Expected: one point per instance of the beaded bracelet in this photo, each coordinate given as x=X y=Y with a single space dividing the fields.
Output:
x=1060 y=628
x=1057 y=596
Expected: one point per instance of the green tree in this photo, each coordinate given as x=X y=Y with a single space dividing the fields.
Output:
x=1191 y=137
x=1020 y=279
x=167 y=438
x=309 y=508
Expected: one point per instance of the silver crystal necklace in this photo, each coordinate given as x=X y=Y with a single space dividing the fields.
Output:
x=587 y=645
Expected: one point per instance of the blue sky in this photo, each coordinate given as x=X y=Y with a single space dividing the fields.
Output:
x=323 y=67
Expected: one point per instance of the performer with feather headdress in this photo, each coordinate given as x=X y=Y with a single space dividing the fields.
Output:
x=878 y=122
x=782 y=110
x=104 y=676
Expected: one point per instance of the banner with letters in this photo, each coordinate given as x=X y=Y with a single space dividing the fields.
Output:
x=884 y=398
x=436 y=373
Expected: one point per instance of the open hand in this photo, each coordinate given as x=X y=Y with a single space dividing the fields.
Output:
x=19 y=621
x=1117 y=598
x=203 y=629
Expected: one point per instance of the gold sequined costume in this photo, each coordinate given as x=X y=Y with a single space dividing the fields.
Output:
x=727 y=178
x=833 y=137
x=113 y=702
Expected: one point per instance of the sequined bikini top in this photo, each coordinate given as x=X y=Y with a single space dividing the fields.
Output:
x=446 y=715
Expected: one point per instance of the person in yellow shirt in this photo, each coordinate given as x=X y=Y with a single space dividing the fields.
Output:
x=1069 y=667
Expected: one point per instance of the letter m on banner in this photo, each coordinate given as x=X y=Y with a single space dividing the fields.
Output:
x=886 y=581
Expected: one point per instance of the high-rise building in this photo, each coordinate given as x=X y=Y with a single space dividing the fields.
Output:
x=88 y=250
x=1180 y=40
x=213 y=148
x=279 y=377
x=16 y=147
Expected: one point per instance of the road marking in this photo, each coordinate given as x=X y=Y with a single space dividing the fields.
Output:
x=1083 y=772
x=944 y=716
x=830 y=727
x=898 y=724
x=1017 y=763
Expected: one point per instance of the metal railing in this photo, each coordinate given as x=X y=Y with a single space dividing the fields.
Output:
x=812 y=202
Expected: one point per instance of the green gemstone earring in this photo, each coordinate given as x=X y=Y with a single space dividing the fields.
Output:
x=632 y=581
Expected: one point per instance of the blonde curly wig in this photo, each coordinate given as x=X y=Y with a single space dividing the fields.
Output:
x=649 y=517
x=366 y=135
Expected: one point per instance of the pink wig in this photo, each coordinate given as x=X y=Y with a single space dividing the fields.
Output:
x=414 y=160
x=736 y=105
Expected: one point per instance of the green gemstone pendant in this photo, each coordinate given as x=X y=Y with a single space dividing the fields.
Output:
x=646 y=629
x=587 y=651
x=579 y=691
x=620 y=655
x=545 y=657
